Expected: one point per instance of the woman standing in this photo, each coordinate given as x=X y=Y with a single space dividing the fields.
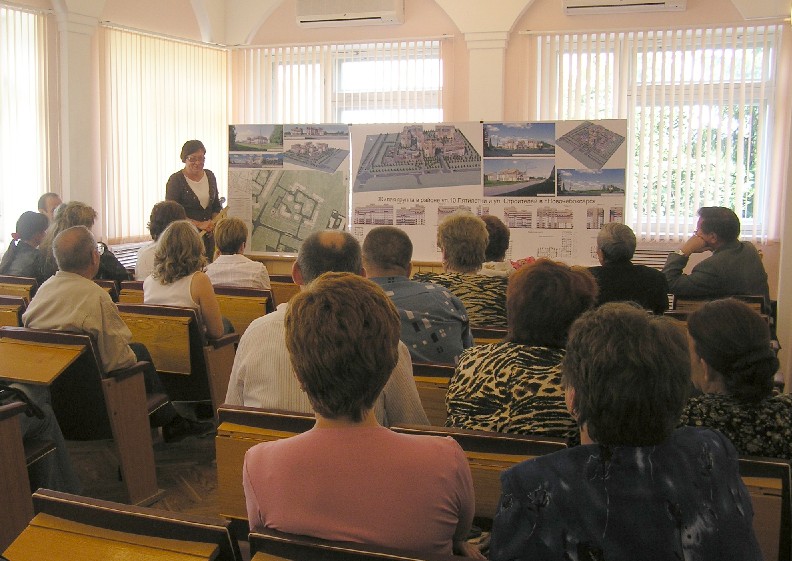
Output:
x=195 y=188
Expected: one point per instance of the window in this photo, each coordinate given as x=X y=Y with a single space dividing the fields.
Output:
x=699 y=104
x=355 y=83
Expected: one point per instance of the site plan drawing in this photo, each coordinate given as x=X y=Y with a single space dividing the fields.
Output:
x=591 y=144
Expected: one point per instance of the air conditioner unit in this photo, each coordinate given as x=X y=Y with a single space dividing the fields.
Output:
x=588 y=7
x=342 y=13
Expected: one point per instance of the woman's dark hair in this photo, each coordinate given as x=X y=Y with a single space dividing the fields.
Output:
x=734 y=341
x=191 y=147
x=498 y=238
x=162 y=214
x=544 y=298
x=630 y=372
x=28 y=226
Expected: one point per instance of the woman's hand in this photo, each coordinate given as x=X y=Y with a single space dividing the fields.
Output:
x=467 y=549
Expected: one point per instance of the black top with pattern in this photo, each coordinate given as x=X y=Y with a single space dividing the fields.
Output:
x=484 y=297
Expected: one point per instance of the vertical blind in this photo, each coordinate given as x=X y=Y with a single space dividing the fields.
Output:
x=700 y=110
x=157 y=93
x=24 y=125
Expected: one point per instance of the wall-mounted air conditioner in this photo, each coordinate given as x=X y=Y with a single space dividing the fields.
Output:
x=342 y=13
x=587 y=7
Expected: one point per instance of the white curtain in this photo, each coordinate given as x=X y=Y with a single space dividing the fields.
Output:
x=24 y=124
x=338 y=83
x=157 y=93
x=700 y=105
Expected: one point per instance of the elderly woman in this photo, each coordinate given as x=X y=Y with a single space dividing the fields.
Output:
x=22 y=258
x=621 y=281
x=231 y=267
x=72 y=214
x=515 y=385
x=495 y=264
x=195 y=188
x=178 y=278
x=162 y=214
x=637 y=488
x=349 y=478
x=462 y=238
x=732 y=344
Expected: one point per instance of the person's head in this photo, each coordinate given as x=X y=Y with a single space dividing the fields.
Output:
x=193 y=154
x=626 y=374
x=162 y=214
x=387 y=251
x=31 y=227
x=67 y=216
x=230 y=235
x=462 y=237
x=47 y=204
x=330 y=327
x=733 y=341
x=717 y=225
x=180 y=252
x=499 y=236
x=615 y=242
x=328 y=250
x=544 y=298
x=75 y=251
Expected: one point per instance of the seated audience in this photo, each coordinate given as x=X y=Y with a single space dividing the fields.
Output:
x=78 y=214
x=22 y=258
x=178 y=279
x=621 y=281
x=231 y=267
x=262 y=375
x=637 y=488
x=732 y=344
x=71 y=301
x=162 y=214
x=434 y=322
x=515 y=385
x=47 y=204
x=496 y=264
x=349 y=478
x=462 y=238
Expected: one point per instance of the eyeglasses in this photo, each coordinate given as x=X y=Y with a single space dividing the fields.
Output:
x=194 y=159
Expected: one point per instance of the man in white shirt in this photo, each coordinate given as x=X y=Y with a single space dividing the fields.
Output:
x=262 y=375
x=232 y=268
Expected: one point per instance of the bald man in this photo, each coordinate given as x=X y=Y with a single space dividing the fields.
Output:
x=262 y=375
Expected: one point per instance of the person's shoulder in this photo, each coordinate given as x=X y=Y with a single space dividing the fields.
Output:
x=695 y=439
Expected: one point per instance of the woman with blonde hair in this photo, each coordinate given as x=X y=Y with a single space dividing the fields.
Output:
x=178 y=278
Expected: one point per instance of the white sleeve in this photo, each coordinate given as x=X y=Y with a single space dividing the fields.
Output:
x=400 y=395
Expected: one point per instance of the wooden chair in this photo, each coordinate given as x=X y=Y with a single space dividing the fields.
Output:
x=131 y=292
x=242 y=305
x=18 y=286
x=483 y=335
x=489 y=454
x=89 y=403
x=110 y=286
x=70 y=527
x=11 y=310
x=240 y=429
x=283 y=288
x=270 y=545
x=432 y=382
x=191 y=368
x=755 y=301
x=769 y=482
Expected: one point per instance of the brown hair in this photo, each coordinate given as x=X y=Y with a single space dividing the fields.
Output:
x=162 y=214
x=721 y=221
x=66 y=216
x=230 y=233
x=342 y=333
x=499 y=236
x=180 y=252
x=463 y=238
x=387 y=248
x=191 y=147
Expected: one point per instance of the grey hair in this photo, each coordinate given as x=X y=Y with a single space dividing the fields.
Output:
x=616 y=242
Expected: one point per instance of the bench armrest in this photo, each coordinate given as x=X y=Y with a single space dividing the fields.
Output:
x=123 y=373
x=220 y=342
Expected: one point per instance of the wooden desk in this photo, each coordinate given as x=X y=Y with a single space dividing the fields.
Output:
x=51 y=360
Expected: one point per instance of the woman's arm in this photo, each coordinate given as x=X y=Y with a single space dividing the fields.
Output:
x=203 y=294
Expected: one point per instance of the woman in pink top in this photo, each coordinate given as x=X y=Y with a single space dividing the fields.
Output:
x=349 y=478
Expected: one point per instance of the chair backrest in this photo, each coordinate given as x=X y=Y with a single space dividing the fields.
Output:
x=131 y=292
x=14 y=483
x=283 y=288
x=483 y=335
x=432 y=382
x=240 y=429
x=75 y=523
x=18 y=286
x=490 y=453
x=11 y=310
x=769 y=482
x=242 y=305
x=755 y=301
x=273 y=545
x=110 y=286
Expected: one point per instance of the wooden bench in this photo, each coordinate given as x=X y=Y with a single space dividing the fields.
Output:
x=271 y=545
x=68 y=527
x=89 y=403
x=191 y=368
x=283 y=288
x=483 y=335
x=489 y=454
x=110 y=286
x=432 y=382
x=18 y=286
x=242 y=305
x=240 y=429
x=755 y=301
x=11 y=310
x=131 y=292
x=769 y=482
